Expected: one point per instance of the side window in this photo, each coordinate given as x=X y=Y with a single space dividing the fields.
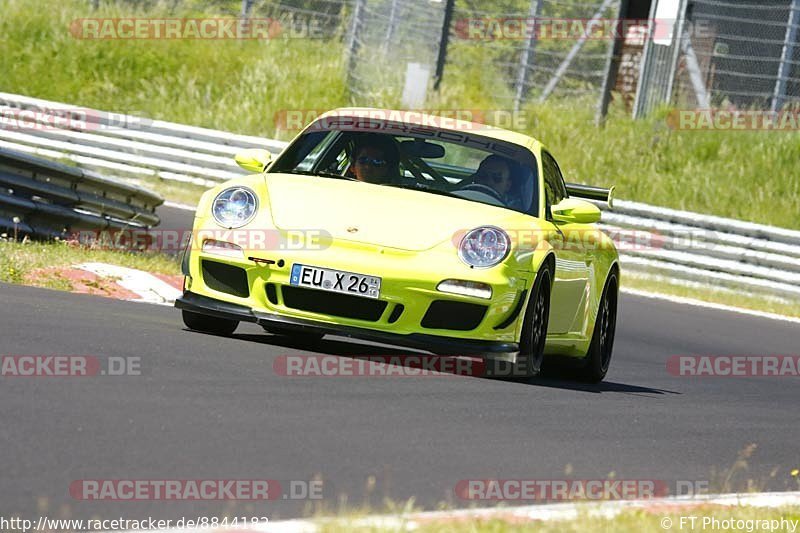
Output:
x=554 y=188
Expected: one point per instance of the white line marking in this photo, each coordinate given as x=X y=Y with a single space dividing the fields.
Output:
x=175 y=205
x=710 y=305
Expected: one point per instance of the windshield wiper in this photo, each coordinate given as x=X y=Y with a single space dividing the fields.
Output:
x=321 y=174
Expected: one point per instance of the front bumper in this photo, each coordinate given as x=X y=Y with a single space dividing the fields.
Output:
x=433 y=343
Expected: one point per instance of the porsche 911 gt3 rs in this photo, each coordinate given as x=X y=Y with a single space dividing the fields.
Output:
x=448 y=236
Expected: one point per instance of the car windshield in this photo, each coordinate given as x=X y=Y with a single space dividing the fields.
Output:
x=461 y=165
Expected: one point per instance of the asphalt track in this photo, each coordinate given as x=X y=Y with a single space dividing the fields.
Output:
x=208 y=407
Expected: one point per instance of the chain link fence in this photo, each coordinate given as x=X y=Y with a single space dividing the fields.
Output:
x=747 y=57
x=723 y=53
x=525 y=50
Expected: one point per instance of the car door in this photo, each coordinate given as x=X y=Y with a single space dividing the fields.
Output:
x=571 y=285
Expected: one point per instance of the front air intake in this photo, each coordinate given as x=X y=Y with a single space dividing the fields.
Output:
x=225 y=278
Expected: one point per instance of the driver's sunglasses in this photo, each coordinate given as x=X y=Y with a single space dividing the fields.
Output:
x=370 y=161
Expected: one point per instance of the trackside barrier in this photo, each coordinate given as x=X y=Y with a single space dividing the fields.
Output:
x=47 y=199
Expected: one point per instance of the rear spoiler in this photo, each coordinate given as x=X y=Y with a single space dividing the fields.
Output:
x=590 y=192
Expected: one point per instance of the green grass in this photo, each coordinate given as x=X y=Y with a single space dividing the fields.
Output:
x=37 y=263
x=240 y=85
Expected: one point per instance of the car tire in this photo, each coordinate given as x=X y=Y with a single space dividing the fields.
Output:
x=209 y=324
x=534 y=329
x=598 y=359
x=294 y=334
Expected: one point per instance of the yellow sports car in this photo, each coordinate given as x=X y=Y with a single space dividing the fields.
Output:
x=409 y=229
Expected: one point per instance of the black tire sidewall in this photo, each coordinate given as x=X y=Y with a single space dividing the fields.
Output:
x=530 y=363
x=208 y=324
x=593 y=370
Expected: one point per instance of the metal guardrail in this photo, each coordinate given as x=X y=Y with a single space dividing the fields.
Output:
x=47 y=199
x=711 y=250
x=126 y=145
x=677 y=245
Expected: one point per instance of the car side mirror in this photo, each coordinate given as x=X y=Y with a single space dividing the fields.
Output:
x=253 y=159
x=574 y=211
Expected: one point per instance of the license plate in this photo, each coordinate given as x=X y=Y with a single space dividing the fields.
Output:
x=327 y=279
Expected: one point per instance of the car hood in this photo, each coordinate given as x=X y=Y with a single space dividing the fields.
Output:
x=375 y=214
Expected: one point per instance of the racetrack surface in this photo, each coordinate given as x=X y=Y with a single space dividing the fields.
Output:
x=208 y=407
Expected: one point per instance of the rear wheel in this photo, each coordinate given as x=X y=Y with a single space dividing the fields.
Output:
x=208 y=324
x=294 y=334
x=534 y=330
x=598 y=359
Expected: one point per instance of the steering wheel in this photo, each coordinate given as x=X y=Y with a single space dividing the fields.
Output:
x=485 y=189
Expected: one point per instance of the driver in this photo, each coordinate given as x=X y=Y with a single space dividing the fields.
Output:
x=376 y=160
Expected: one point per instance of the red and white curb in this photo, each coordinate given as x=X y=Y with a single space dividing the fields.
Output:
x=148 y=287
x=529 y=513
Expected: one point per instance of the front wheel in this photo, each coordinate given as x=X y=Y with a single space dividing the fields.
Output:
x=209 y=324
x=534 y=329
x=598 y=359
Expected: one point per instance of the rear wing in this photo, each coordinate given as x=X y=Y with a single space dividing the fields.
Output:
x=590 y=192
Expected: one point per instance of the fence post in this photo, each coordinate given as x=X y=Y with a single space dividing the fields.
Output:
x=442 y=58
x=676 y=53
x=352 y=40
x=612 y=65
x=786 y=56
x=246 y=5
x=695 y=74
x=392 y=26
x=642 y=98
x=527 y=57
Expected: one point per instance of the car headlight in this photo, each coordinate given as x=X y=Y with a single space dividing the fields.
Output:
x=484 y=247
x=234 y=207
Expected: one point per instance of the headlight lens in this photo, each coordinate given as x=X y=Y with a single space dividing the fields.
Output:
x=234 y=207
x=484 y=247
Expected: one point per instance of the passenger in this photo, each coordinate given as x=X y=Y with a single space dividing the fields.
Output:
x=495 y=177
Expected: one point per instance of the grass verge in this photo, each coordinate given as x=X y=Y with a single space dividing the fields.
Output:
x=718 y=295
x=733 y=519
